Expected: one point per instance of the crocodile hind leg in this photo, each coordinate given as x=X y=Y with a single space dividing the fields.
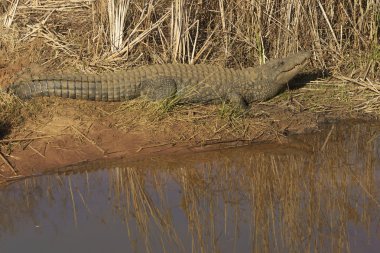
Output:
x=237 y=101
x=159 y=88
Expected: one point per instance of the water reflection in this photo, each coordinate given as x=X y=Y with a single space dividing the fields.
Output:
x=320 y=193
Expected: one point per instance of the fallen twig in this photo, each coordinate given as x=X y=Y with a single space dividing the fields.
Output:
x=36 y=151
x=12 y=178
x=365 y=84
x=8 y=163
x=89 y=140
x=29 y=139
x=156 y=146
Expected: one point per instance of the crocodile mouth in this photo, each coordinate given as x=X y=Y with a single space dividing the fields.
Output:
x=287 y=74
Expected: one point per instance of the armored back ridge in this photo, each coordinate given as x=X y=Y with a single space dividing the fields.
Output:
x=189 y=83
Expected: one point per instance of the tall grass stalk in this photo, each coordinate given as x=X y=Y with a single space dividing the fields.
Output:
x=9 y=16
x=343 y=35
x=117 y=13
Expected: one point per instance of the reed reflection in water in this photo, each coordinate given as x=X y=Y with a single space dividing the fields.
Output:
x=318 y=193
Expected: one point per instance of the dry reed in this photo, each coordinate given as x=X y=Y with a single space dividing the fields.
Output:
x=342 y=35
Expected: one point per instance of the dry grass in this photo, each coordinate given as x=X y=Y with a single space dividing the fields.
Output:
x=113 y=34
x=193 y=122
x=9 y=113
x=335 y=97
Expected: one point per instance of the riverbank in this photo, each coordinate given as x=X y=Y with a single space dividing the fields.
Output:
x=44 y=134
x=98 y=36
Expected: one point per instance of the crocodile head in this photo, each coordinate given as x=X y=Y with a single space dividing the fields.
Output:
x=283 y=70
x=275 y=74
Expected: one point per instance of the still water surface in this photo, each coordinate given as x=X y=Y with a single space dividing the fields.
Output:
x=318 y=193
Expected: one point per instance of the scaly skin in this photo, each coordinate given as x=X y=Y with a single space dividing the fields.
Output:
x=188 y=83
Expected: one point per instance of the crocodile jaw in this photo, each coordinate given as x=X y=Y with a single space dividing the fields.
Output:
x=289 y=67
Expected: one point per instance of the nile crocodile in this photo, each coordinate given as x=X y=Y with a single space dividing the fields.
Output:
x=189 y=83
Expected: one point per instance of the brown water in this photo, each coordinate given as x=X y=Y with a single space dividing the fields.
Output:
x=320 y=193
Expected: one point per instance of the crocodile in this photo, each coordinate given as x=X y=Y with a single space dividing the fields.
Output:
x=199 y=83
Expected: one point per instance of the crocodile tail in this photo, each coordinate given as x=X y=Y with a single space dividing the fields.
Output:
x=77 y=86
